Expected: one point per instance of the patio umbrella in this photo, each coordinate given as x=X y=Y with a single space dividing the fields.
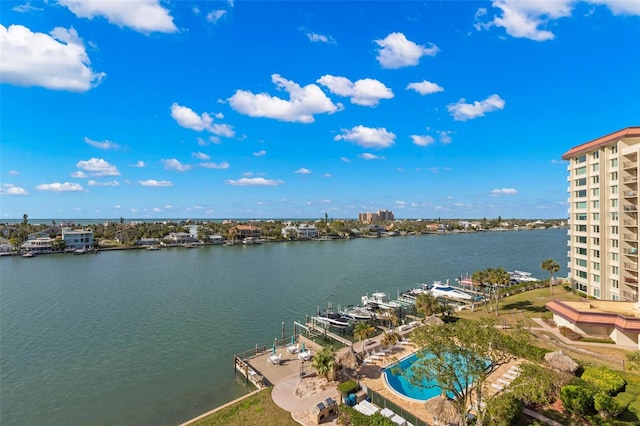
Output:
x=442 y=410
x=303 y=349
x=293 y=339
x=274 y=346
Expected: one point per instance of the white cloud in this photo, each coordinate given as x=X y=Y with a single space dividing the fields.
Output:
x=369 y=156
x=188 y=118
x=397 y=52
x=620 y=7
x=200 y=156
x=60 y=187
x=258 y=181
x=367 y=91
x=425 y=87
x=209 y=165
x=140 y=164
x=109 y=183
x=504 y=191
x=13 y=173
x=368 y=137
x=422 y=140
x=462 y=111
x=98 y=167
x=303 y=171
x=102 y=145
x=320 y=38
x=145 y=16
x=526 y=19
x=174 y=164
x=24 y=8
x=345 y=160
x=445 y=136
x=215 y=15
x=57 y=61
x=327 y=175
x=304 y=102
x=156 y=183
x=10 y=189
x=79 y=175
x=260 y=153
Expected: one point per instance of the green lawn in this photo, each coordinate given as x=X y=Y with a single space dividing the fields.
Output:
x=258 y=409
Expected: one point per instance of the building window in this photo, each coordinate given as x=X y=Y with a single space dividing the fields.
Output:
x=615 y=256
x=581 y=228
x=581 y=159
x=614 y=284
x=615 y=297
x=596 y=204
x=615 y=270
x=581 y=274
x=581 y=240
x=595 y=155
x=595 y=278
x=581 y=216
x=596 y=266
x=581 y=205
x=614 y=149
x=581 y=171
x=614 y=230
x=614 y=203
x=614 y=162
x=595 y=167
x=595 y=192
x=582 y=287
x=614 y=216
x=614 y=189
x=596 y=293
x=596 y=241
x=614 y=243
x=581 y=262
x=595 y=216
x=595 y=179
x=581 y=182
x=613 y=176
x=581 y=251
x=595 y=228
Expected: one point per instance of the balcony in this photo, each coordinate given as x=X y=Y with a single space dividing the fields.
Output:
x=629 y=222
x=630 y=208
x=628 y=194
x=630 y=237
x=629 y=296
x=631 y=281
x=629 y=165
x=631 y=266
x=630 y=179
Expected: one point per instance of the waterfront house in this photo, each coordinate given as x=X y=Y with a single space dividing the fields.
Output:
x=245 y=231
x=180 y=238
x=216 y=239
x=38 y=245
x=146 y=242
x=78 y=239
x=302 y=231
x=5 y=246
x=193 y=230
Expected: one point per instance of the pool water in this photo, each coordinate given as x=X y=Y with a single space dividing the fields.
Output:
x=400 y=383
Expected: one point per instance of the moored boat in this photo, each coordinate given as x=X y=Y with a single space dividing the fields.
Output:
x=437 y=289
x=356 y=313
x=379 y=300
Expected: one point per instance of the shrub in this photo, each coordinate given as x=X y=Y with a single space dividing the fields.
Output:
x=537 y=385
x=603 y=379
x=607 y=406
x=577 y=400
x=349 y=416
x=503 y=410
x=348 y=387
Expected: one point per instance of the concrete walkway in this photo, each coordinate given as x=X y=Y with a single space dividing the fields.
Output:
x=284 y=395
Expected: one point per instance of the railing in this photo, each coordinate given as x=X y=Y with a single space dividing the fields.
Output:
x=630 y=296
x=632 y=250
x=630 y=236
x=631 y=266
x=630 y=179
x=630 y=193
x=628 y=222
x=383 y=402
x=631 y=280
x=629 y=164
x=630 y=208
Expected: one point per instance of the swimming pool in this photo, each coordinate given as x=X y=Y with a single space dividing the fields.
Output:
x=400 y=384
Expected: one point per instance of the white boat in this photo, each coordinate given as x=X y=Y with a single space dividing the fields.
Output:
x=332 y=319
x=356 y=313
x=379 y=300
x=153 y=248
x=437 y=289
x=29 y=254
x=80 y=251
x=522 y=277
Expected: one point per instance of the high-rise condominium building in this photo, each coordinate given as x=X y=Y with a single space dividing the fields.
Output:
x=603 y=215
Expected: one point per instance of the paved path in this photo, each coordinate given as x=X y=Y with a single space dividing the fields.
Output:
x=284 y=395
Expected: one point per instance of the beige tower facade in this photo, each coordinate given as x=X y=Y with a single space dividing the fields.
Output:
x=603 y=215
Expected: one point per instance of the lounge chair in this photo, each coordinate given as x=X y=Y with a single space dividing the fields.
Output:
x=497 y=386
x=504 y=382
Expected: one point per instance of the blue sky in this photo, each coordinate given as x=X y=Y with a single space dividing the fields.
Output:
x=187 y=109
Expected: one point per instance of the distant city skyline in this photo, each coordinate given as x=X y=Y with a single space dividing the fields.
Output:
x=258 y=110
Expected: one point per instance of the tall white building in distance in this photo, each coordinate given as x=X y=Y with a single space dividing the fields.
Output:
x=603 y=215
x=379 y=216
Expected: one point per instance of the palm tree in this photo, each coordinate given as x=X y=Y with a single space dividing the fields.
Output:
x=500 y=278
x=324 y=361
x=362 y=331
x=481 y=277
x=552 y=267
x=427 y=304
x=25 y=219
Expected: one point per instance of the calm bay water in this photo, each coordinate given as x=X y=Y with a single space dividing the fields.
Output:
x=147 y=337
